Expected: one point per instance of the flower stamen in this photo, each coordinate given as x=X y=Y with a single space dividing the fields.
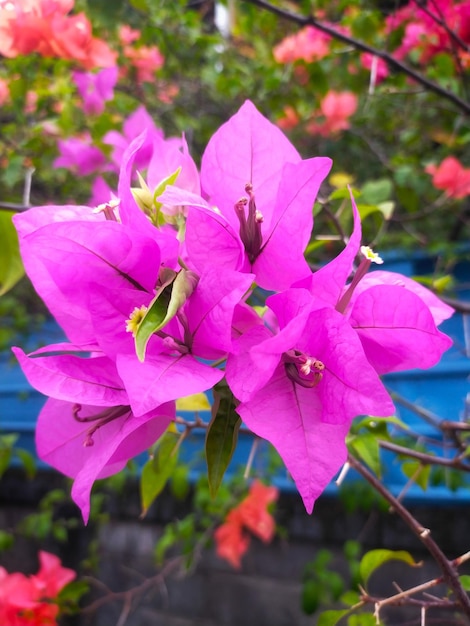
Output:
x=99 y=419
x=304 y=370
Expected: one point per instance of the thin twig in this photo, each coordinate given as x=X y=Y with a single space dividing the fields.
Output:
x=426 y=459
x=448 y=568
x=360 y=45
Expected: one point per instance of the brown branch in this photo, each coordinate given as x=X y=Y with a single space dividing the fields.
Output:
x=461 y=306
x=426 y=459
x=363 y=47
x=448 y=568
x=129 y=594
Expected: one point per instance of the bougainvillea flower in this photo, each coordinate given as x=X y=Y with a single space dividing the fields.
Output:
x=395 y=317
x=169 y=155
x=376 y=66
x=429 y=31
x=202 y=329
x=78 y=155
x=51 y=577
x=87 y=429
x=230 y=540
x=164 y=377
x=66 y=261
x=128 y=35
x=63 y=441
x=36 y=217
x=134 y=125
x=146 y=60
x=301 y=387
x=73 y=39
x=96 y=89
x=289 y=120
x=336 y=108
x=258 y=217
x=43 y=26
x=306 y=328
x=254 y=511
x=308 y=44
x=101 y=192
x=451 y=177
x=29 y=600
x=251 y=514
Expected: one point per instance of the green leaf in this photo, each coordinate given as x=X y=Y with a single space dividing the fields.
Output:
x=158 y=469
x=367 y=447
x=331 y=618
x=72 y=593
x=28 y=461
x=465 y=581
x=140 y=5
x=169 y=299
x=166 y=541
x=350 y=597
x=6 y=449
x=372 y=423
x=180 y=485
x=162 y=185
x=376 y=191
x=221 y=436
x=408 y=198
x=11 y=267
x=342 y=194
x=418 y=472
x=152 y=321
x=384 y=208
x=375 y=558
x=311 y=595
x=7 y=540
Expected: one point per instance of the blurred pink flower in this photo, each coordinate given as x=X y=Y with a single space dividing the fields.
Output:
x=139 y=121
x=28 y=600
x=147 y=60
x=336 y=108
x=80 y=156
x=451 y=177
x=96 y=89
x=31 y=102
x=43 y=26
x=128 y=35
x=308 y=44
x=430 y=31
x=289 y=120
x=368 y=61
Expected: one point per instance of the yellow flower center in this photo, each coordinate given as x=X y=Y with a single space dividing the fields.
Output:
x=135 y=319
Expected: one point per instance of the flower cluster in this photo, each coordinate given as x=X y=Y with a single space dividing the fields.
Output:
x=152 y=290
x=251 y=514
x=30 y=600
x=44 y=26
x=430 y=30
